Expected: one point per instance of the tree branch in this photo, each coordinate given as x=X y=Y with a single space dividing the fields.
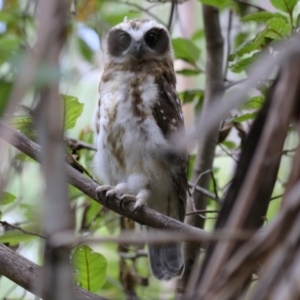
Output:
x=55 y=208
x=144 y=215
x=206 y=149
x=28 y=275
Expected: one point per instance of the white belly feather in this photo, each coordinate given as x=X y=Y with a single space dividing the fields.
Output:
x=130 y=150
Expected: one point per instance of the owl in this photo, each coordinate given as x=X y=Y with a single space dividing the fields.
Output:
x=137 y=123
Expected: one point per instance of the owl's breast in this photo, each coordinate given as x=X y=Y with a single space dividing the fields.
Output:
x=129 y=137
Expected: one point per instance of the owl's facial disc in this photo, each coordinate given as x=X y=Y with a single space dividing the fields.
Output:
x=139 y=40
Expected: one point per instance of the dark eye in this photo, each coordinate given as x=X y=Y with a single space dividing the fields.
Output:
x=151 y=39
x=124 y=40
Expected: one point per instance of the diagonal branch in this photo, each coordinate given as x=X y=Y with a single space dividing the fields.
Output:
x=144 y=215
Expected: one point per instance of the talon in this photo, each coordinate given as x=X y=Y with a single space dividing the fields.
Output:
x=126 y=198
x=102 y=190
x=136 y=208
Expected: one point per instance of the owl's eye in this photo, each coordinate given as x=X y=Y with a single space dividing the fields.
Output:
x=151 y=39
x=124 y=40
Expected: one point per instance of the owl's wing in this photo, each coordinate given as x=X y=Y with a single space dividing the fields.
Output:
x=167 y=112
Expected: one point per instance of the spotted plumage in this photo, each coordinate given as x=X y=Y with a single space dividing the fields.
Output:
x=137 y=122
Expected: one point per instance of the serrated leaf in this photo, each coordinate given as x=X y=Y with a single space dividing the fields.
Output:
x=263 y=16
x=277 y=29
x=284 y=5
x=216 y=3
x=188 y=72
x=90 y=268
x=248 y=47
x=14 y=237
x=7 y=198
x=73 y=110
x=186 y=50
x=23 y=123
x=245 y=117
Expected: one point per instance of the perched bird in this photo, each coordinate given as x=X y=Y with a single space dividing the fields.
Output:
x=137 y=122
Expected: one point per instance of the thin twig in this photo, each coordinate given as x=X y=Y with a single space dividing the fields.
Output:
x=203 y=191
x=228 y=153
x=206 y=211
x=215 y=186
x=4 y=223
x=173 y=6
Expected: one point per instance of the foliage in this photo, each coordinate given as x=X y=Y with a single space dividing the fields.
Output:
x=90 y=268
x=258 y=31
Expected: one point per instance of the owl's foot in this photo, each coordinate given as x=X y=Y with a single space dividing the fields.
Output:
x=126 y=198
x=103 y=191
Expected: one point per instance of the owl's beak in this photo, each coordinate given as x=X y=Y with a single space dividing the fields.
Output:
x=137 y=50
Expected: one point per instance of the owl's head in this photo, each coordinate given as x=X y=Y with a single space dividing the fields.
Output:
x=138 y=40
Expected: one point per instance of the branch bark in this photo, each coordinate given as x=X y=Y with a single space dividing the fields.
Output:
x=144 y=215
x=56 y=212
x=213 y=90
x=28 y=275
x=248 y=197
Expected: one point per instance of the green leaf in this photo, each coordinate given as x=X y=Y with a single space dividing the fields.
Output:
x=5 y=89
x=116 y=17
x=243 y=64
x=277 y=29
x=245 y=117
x=248 y=47
x=240 y=38
x=23 y=124
x=73 y=110
x=217 y=3
x=188 y=72
x=298 y=21
x=263 y=16
x=255 y=102
x=7 y=198
x=186 y=50
x=284 y=5
x=85 y=50
x=191 y=95
x=229 y=144
x=90 y=268
x=199 y=34
x=14 y=237
x=8 y=46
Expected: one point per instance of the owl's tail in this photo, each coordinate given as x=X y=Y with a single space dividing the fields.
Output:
x=166 y=260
